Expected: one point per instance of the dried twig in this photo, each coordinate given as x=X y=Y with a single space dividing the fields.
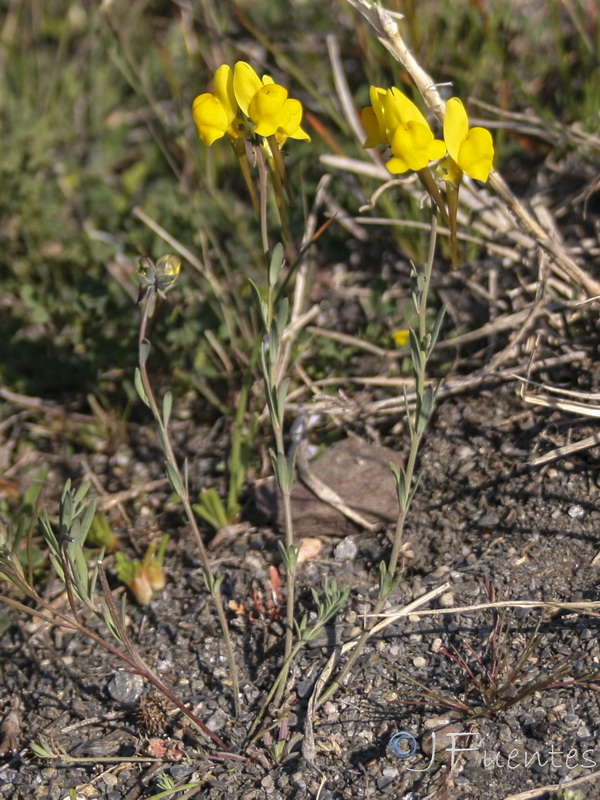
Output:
x=388 y=33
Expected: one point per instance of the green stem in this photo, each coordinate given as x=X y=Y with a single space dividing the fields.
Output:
x=415 y=444
x=290 y=573
x=187 y=506
x=131 y=657
x=277 y=687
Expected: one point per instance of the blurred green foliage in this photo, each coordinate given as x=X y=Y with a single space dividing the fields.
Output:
x=95 y=120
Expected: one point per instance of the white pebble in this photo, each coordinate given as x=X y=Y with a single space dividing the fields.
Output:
x=576 y=512
x=346 y=550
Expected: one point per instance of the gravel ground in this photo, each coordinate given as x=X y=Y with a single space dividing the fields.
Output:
x=493 y=702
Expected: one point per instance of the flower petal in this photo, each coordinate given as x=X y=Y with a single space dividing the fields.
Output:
x=210 y=118
x=246 y=84
x=398 y=107
x=476 y=154
x=401 y=337
x=413 y=143
x=456 y=126
x=223 y=83
x=377 y=96
x=292 y=128
x=268 y=110
x=397 y=165
x=370 y=123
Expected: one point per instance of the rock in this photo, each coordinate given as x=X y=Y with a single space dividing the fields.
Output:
x=346 y=550
x=359 y=472
x=576 y=512
x=126 y=688
x=388 y=776
x=217 y=721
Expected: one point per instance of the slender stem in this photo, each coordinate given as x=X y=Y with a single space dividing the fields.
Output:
x=277 y=687
x=409 y=471
x=131 y=657
x=214 y=585
x=290 y=573
x=262 y=187
x=237 y=438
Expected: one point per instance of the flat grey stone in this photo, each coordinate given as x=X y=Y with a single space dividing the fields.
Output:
x=359 y=472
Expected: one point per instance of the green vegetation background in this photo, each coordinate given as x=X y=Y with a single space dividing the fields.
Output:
x=95 y=118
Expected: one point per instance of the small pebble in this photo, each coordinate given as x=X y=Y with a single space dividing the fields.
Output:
x=180 y=771
x=444 y=737
x=388 y=776
x=576 y=512
x=217 y=721
x=419 y=661
x=110 y=780
x=309 y=548
x=446 y=600
x=346 y=550
x=126 y=688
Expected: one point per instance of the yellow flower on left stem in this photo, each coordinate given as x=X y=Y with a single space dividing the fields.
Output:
x=267 y=104
x=240 y=94
x=216 y=114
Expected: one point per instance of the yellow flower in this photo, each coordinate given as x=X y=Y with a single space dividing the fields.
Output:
x=217 y=114
x=267 y=104
x=397 y=109
x=370 y=123
x=413 y=147
x=246 y=84
x=395 y=120
x=401 y=337
x=471 y=149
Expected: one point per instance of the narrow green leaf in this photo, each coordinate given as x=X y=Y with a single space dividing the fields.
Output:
x=167 y=408
x=276 y=264
x=426 y=409
x=281 y=398
x=88 y=519
x=436 y=329
x=289 y=556
x=140 y=387
x=282 y=317
x=80 y=496
x=416 y=353
x=175 y=480
x=144 y=351
x=94 y=576
x=40 y=751
x=261 y=305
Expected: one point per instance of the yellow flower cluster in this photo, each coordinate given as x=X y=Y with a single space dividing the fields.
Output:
x=394 y=120
x=241 y=97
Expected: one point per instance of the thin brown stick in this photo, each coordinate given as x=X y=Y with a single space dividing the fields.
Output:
x=388 y=33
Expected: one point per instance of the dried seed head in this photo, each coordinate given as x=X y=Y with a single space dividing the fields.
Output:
x=152 y=712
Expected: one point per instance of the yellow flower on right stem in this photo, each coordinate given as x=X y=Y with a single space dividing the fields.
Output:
x=471 y=149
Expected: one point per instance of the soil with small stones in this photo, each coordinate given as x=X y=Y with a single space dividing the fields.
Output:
x=492 y=702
